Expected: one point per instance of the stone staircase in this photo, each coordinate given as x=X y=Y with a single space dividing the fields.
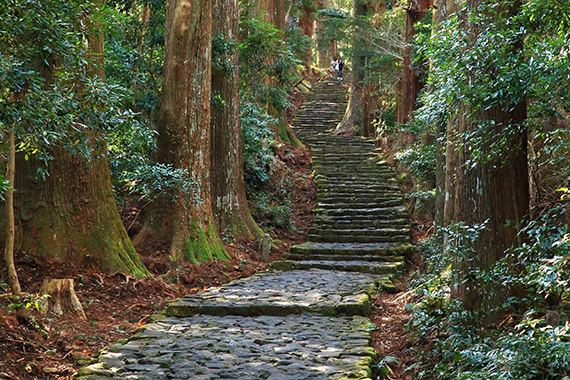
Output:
x=308 y=323
x=360 y=224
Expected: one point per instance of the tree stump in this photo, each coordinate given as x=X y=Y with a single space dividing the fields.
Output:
x=62 y=298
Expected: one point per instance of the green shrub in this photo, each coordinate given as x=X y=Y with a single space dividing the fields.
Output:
x=528 y=345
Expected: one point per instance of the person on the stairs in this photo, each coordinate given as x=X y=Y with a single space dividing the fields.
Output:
x=340 y=65
x=334 y=66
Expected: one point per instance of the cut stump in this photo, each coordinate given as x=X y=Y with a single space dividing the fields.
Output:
x=62 y=298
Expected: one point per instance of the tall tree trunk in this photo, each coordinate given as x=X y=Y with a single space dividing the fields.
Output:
x=185 y=219
x=229 y=203
x=494 y=192
x=275 y=14
x=307 y=23
x=13 y=281
x=439 y=16
x=353 y=116
x=326 y=48
x=71 y=215
x=411 y=84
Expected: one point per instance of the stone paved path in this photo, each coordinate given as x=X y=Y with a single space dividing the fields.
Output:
x=307 y=323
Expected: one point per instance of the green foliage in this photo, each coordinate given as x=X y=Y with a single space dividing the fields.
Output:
x=258 y=141
x=336 y=26
x=222 y=50
x=134 y=55
x=266 y=64
x=272 y=209
x=45 y=106
x=530 y=345
x=512 y=59
x=297 y=42
x=134 y=51
x=31 y=301
x=4 y=186
x=420 y=161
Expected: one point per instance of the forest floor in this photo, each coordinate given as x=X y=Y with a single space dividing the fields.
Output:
x=37 y=346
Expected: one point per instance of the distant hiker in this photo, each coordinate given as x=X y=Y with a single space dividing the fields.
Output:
x=334 y=66
x=340 y=65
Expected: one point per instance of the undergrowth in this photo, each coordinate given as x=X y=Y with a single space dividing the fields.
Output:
x=531 y=338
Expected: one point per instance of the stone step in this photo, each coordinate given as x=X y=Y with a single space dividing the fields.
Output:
x=360 y=191
x=366 y=220
x=372 y=212
x=332 y=180
x=314 y=248
x=358 y=171
x=368 y=163
x=284 y=293
x=205 y=347
x=355 y=204
x=324 y=238
x=354 y=187
x=336 y=257
x=358 y=184
x=359 y=224
x=352 y=199
x=340 y=151
x=385 y=232
x=383 y=268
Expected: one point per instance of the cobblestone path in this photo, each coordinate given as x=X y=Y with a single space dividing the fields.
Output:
x=306 y=323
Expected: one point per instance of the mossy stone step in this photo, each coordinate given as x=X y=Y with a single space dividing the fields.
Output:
x=324 y=238
x=383 y=268
x=355 y=220
x=310 y=248
x=358 y=190
x=361 y=232
x=284 y=293
x=375 y=211
x=329 y=199
x=348 y=181
x=348 y=203
x=337 y=257
x=357 y=224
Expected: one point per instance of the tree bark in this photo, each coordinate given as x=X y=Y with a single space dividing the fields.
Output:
x=185 y=219
x=71 y=215
x=354 y=114
x=13 y=281
x=275 y=14
x=439 y=16
x=411 y=84
x=326 y=48
x=307 y=23
x=494 y=192
x=229 y=203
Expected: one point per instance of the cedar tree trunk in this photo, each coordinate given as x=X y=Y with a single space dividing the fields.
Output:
x=229 y=203
x=439 y=15
x=71 y=215
x=275 y=14
x=353 y=116
x=307 y=23
x=185 y=219
x=495 y=191
x=411 y=84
